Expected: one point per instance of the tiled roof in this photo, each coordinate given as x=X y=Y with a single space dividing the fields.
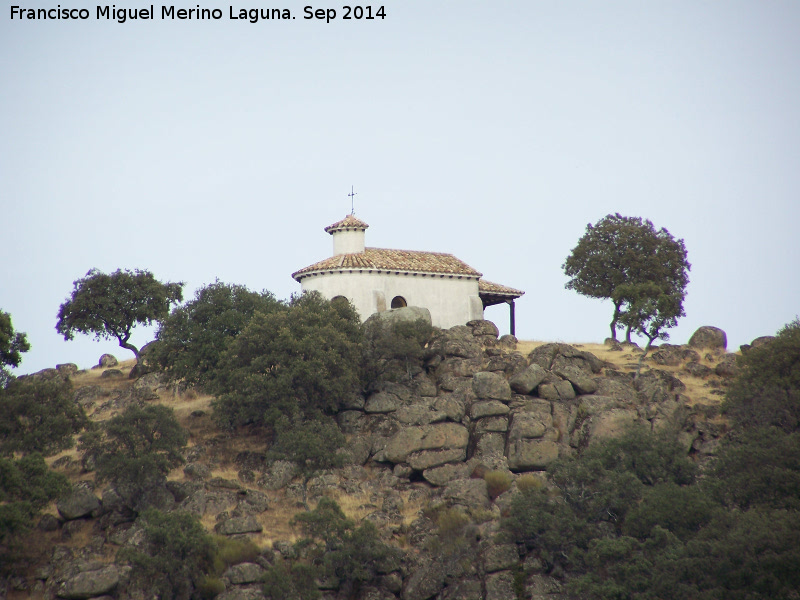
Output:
x=349 y=222
x=408 y=261
x=489 y=287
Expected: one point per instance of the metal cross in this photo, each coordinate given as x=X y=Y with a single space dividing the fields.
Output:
x=352 y=195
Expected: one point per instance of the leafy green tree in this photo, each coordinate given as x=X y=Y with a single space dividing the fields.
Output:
x=176 y=557
x=109 y=306
x=629 y=251
x=766 y=389
x=332 y=543
x=758 y=467
x=12 y=346
x=192 y=339
x=27 y=485
x=291 y=581
x=38 y=416
x=312 y=444
x=390 y=352
x=136 y=450
x=651 y=310
x=299 y=361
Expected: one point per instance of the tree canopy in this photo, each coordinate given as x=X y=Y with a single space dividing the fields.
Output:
x=297 y=361
x=12 y=345
x=136 y=449
x=110 y=306
x=38 y=416
x=642 y=270
x=191 y=340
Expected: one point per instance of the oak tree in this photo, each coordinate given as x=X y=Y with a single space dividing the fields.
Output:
x=618 y=251
x=110 y=306
x=12 y=345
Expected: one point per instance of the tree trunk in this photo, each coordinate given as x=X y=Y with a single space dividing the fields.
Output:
x=615 y=320
x=641 y=358
x=628 y=334
x=128 y=346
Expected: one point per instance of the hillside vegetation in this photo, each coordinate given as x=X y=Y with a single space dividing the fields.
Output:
x=308 y=457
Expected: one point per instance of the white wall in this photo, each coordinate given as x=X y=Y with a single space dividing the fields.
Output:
x=452 y=301
x=348 y=242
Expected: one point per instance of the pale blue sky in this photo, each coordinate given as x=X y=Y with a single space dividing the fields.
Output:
x=493 y=130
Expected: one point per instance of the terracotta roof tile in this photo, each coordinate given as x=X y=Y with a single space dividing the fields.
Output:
x=349 y=222
x=409 y=261
x=489 y=287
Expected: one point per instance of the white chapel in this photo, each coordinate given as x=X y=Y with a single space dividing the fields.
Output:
x=377 y=279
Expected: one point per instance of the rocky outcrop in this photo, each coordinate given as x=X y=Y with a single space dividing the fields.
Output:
x=90 y=583
x=708 y=337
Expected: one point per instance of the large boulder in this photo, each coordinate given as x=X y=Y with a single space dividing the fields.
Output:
x=580 y=380
x=438 y=437
x=80 y=503
x=531 y=454
x=388 y=318
x=709 y=337
x=527 y=380
x=107 y=360
x=90 y=584
x=491 y=386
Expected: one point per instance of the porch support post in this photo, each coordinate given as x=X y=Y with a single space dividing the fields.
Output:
x=513 y=320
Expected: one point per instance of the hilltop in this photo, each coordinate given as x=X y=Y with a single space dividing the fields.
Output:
x=438 y=461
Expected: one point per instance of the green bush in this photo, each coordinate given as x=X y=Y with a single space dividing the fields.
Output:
x=27 y=485
x=302 y=360
x=136 y=450
x=393 y=353
x=192 y=339
x=177 y=555
x=766 y=389
x=497 y=482
x=38 y=416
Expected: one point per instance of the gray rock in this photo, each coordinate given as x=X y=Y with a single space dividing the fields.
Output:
x=508 y=341
x=419 y=414
x=241 y=593
x=498 y=424
x=278 y=475
x=490 y=446
x=760 y=341
x=111 y=374
x=388 y=318
x=426 y=459
x=451 y=405
x=382 y=402
x=463 y=589
x=107 y=360
x=89 y=584
x=580 y=380
x=244 y=573
x=237 y=525
x=488 y=408
x=709 y=337
x=612 y=423
x=531 y=455
x=425 y=582
x=491 y=386
x=67 y=369
x=441 y=436
x=527 y=380
x=471 y=493
x=80 y=503
x=527 y=425
x=444 y=474
x=500 y=557
x=500 y=586
x=482 y=327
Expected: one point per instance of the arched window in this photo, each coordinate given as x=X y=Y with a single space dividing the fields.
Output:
x=338 y=299
x=398 y=302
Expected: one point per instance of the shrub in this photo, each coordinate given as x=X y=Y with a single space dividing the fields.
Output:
x=176 y=557
x=390 y=353
x=497 y=482
x=192 y=339
x=38 y=416
x=528 y=482
x=766 y=389
x=136 y=450
x=302 y=360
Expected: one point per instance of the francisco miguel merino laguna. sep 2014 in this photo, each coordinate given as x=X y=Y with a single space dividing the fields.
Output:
x=253 y=15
